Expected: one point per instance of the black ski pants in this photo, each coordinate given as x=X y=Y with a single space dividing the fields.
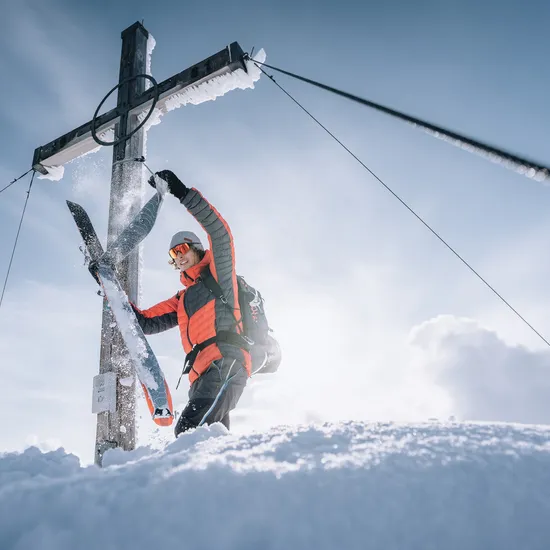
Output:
x=213 y=395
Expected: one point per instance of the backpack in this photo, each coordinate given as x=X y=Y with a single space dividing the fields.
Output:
x=264 y=349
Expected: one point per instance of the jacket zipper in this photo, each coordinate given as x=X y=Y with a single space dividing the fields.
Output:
x=182 y=298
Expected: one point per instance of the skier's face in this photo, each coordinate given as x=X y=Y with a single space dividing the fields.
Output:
x=186 y=260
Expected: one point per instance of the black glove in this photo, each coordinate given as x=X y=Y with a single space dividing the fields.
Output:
x=92 y=268
x=175 y=186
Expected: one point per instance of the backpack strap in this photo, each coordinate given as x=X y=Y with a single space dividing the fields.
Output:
x=213 y=286
x=223 y=336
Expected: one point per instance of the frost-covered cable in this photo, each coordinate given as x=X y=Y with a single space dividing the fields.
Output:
x=417 y=216
x=521 y=165
x=16 y=239
x=136 y=159
x=124 y=161
x=15 y=180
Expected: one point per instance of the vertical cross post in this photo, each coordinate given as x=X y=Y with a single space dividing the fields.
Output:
x=117 y=429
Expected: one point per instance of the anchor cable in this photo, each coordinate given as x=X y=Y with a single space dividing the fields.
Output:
x=15 y=180
x=521 y=165
x=16 y=238
x=417 y=216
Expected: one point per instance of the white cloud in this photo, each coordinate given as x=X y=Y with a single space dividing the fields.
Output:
x=485 y=378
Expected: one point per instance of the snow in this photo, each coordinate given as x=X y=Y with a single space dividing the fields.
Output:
x=73 y=151
x=161 y=185
x=209 y=90
x=346 y=485
x=128 y=381
x=539 y=175
x=151 y=43
x=55 y=173
x=129 y=328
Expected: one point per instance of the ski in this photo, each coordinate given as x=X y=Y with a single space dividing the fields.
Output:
x=146 y=366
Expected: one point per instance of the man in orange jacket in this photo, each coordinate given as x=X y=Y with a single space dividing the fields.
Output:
x=218 y=359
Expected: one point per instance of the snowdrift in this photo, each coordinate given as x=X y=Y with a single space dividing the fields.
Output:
x=331 y=486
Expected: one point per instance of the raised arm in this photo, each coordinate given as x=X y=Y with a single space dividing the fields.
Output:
x=220 y=239
x=219 y=234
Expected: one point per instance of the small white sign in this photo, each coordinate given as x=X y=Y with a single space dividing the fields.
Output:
x=104 y=395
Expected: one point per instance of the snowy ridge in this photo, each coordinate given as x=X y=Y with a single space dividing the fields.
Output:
x=348 y=485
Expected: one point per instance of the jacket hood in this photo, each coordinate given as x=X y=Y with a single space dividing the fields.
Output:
x=188 y=276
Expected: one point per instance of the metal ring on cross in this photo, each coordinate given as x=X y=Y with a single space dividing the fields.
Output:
x=140 y=125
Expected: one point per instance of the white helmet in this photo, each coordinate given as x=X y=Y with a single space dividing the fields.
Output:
x=186 y=237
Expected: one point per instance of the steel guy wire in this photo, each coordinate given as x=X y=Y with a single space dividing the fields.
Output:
x=418 y=217
x=16 y=239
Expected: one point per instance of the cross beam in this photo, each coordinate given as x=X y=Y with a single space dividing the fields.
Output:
x=79 y=141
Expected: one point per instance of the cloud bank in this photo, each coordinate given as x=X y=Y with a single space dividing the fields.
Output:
x=485 y=378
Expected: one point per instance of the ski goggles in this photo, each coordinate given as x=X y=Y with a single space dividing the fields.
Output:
x=183 y=248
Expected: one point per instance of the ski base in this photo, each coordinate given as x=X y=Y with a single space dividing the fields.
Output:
x=150 y=375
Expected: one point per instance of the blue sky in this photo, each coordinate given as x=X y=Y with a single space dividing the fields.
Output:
x=356 y=287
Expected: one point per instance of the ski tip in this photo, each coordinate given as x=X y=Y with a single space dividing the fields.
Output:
x=163 y=421
x=162 y=416
x=73 y=206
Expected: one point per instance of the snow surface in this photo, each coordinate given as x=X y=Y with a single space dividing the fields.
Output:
x=332 y=486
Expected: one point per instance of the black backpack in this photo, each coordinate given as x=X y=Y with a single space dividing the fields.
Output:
x=264 y=349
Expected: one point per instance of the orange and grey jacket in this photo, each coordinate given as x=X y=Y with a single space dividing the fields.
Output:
x=199 y=314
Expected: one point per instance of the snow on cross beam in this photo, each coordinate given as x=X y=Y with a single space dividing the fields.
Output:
x=205 y=81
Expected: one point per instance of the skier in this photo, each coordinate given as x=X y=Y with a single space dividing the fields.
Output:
x=218 y=360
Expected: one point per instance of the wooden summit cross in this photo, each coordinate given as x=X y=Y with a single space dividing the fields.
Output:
x=114 y=387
